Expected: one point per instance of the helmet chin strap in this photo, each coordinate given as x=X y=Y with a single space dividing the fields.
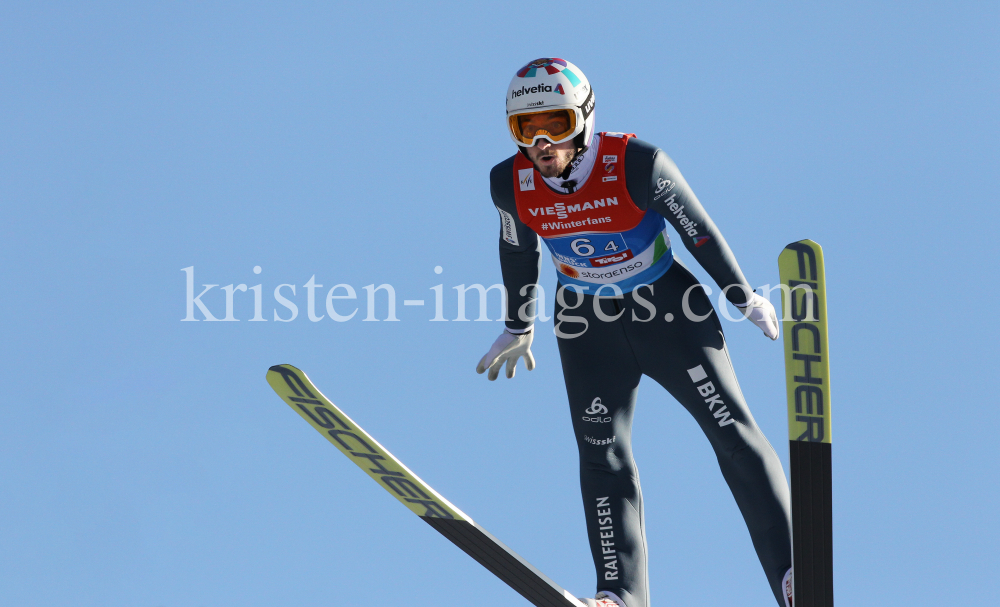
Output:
x=581 y=148
x=569 y=167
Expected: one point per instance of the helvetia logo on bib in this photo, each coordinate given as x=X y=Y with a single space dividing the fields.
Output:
x=526 y=179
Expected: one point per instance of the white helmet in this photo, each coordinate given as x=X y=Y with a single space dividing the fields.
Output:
x=547 y=86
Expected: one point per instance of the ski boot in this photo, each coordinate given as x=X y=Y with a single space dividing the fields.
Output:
x=786 y=587
x=604 y=599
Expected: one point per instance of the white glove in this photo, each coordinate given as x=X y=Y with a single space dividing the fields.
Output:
x=760 y=311
x=508 y=347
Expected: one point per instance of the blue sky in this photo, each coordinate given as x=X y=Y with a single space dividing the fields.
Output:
x=144 y=461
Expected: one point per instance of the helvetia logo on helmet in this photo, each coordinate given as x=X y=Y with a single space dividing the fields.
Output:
x=541 y=88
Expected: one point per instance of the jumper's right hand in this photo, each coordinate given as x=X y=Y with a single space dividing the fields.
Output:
x=507 y=348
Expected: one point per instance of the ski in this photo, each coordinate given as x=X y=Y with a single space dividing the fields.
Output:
x=807 y=381
x=295 y=388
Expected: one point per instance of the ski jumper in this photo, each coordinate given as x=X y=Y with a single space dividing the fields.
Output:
x=620 y=314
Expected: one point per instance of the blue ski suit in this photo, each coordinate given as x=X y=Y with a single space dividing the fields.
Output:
x=660 y=323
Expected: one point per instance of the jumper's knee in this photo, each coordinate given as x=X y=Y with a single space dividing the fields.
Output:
x=612 y=459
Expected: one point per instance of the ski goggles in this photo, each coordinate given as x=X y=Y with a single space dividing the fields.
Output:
x=555 y=125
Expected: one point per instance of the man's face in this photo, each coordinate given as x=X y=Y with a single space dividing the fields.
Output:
x=551 y=159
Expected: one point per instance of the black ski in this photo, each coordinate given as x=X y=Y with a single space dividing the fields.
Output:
x=300 y=394
x=807 y=379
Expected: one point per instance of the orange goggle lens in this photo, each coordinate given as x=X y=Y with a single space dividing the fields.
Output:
x=554 y=125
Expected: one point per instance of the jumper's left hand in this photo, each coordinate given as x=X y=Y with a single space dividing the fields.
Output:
x=760 y=311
